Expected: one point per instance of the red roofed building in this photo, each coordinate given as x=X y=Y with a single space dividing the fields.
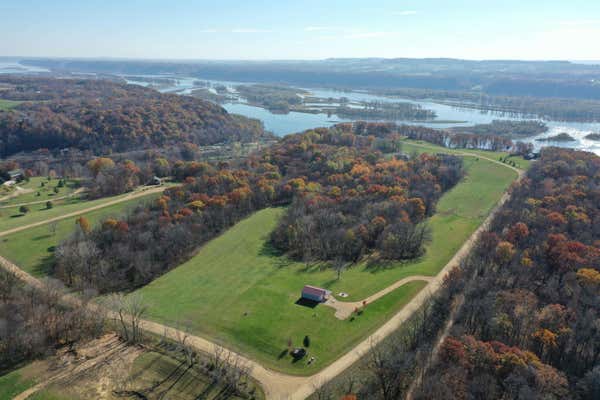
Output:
x=315 y=293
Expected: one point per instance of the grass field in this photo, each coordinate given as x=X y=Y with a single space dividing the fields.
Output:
x=18 y=381
x=8 y=104
x=32 y=249
x=238 y=293
x=11 y=217
x=46 y=192
x=419 y=146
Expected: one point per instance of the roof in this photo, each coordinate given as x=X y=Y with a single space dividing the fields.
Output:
x=315 y=291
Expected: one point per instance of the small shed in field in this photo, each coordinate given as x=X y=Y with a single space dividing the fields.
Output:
x=16 y=175
x=315 y=293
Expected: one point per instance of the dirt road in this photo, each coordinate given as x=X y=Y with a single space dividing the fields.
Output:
x=30 y=203
x=130 y=196
x=343 y=309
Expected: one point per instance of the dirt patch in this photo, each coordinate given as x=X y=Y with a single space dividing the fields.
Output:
x=90 y=371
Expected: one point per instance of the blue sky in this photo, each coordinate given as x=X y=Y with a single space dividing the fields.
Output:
x=254 y=29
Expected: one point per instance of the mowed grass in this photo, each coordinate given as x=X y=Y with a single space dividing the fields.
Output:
x=33 y=249
x=237 y=292
x=419 y=146
x=19 y=380
x=46 y=192
x=8 y=104
x=11 y=217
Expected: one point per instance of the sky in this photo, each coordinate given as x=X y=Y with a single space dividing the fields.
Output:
x=301 y=29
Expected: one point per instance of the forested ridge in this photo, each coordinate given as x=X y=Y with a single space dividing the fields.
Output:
x=374 y=202
x=530 y=324
x=105 y=117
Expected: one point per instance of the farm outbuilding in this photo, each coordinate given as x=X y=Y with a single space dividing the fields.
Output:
x=315 y=293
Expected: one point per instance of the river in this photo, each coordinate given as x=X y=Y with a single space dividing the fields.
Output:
x=283 y=124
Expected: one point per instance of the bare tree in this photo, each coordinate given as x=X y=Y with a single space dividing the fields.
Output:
x=181 y=339
x=52 y=226
x=129 y=311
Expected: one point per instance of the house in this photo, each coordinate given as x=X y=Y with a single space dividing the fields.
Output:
x=531 y=156
x=155 y=181
x=16 y=175
x=315 y=293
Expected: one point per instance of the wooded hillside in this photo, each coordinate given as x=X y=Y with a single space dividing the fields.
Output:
x=105 y=117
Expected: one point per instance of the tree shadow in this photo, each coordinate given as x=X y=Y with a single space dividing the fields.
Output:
x=42 y=237
x=268 y=250
x=377 y=264
x=329 y=283
x=207 y=391
x=309 y=268
x=283 y=353
x=17 y=215
x=45 y=266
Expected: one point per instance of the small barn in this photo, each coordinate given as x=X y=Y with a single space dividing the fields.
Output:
x=16 y=175
x=156 y=181
x=315 y=293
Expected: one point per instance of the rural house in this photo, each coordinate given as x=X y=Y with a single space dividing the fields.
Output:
x=315 y=293
x=16 y=175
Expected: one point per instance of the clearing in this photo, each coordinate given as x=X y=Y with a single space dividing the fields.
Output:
x=8 y=104
x=34 y=192
x=108 y=369
x=32 y=249
x=237 y=292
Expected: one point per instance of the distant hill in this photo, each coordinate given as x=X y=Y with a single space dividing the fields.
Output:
x=103 y=117
x=495 y=77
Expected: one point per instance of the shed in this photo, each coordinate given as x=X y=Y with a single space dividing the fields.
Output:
x=155 y=181
x=315 y=293
x=16 y=175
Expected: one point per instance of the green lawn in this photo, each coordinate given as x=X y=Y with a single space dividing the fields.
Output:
x=12 y=217
x=408 y=146
x=8 y=104
x=237 y=292
x=17 y=381
x=32 y=249
x=46 y=192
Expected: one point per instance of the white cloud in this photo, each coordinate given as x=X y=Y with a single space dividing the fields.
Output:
x=405 y=13
x=250 y=30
